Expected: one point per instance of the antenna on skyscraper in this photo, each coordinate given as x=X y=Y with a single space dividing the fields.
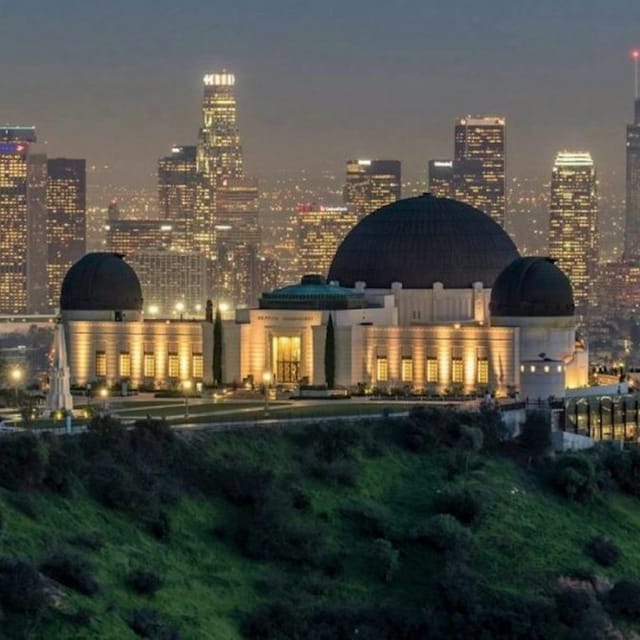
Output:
x=635 y=54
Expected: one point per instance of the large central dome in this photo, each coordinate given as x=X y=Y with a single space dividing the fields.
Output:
x=419 y=241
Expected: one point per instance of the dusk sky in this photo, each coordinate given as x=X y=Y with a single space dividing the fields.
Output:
x=119 y=82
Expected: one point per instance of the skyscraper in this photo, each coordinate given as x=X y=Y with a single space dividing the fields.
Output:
x=320 y=232
x=227 y=203
x=177 y=181
x=573 y=232
x=632 y=218
x=66 y=220
x=23 y=217
x=441 y=178
x=481 y=182
x=371 y=184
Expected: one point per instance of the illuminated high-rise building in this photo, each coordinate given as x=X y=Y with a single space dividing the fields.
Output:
x=371 y=184
x=23 y=219
x=479 y=155
x=441 y=178
x=573 y=232
x=66 y=220
x=177 y=184
x=129 y=237
x=320 y=232
x=632 y=218
x=219 y=154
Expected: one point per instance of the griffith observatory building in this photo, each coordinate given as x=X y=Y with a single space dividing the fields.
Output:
x=426 y=293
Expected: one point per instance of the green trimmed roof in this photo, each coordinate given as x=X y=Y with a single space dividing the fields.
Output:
x=313 y=292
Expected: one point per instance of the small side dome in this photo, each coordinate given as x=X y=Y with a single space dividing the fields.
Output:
x=313 y=293
x=532 y=287
x=101 y=282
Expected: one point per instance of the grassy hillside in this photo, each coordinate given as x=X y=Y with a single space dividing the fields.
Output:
x=261 y=534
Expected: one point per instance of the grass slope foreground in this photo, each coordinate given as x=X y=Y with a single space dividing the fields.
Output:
x=423 y=527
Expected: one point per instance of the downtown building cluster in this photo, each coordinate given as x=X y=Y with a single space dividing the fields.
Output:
x=43 y=222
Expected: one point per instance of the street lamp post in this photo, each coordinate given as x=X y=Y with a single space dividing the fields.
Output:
x=16 y=377
x=186 y=387
x=266 y=379
x=180 y=309
x=104 y=394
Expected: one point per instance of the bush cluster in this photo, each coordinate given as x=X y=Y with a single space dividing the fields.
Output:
x=603 y=551
x=71 y=570
x=443 y=533
x=466 y=504
x=575 y=476
x=146 y=623
x=144 y=581
x=21 y=588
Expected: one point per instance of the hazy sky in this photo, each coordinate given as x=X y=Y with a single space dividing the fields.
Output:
x=119 y=81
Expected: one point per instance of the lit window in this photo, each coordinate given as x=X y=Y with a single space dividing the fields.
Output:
x=198 y=365
x=432 y=370
x=149 y=369
x=457 y=370
x=174 y=365
x=532 y=368
x=382 y=369
x=407 y=369
x=101 y=364
x=546 y=368
x=125 y=364
x=521 y=368
x=483 y=370
x=559 y=368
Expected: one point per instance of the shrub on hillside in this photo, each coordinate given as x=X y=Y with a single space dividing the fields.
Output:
x=465 y=504
x=25 y=503
x=371 y=519
x=386 y=559
x=443 y=533
x=71 y=570
x=144 y=582
x=331 y=442
x=603 y=551
x=113 y=485
x=471 y=438
x=146 y=624
x=242 y=483
x=341 y=471
x=21 y=588
x=624 y=467
x=574 y=475
x=22 y=461
x=624 y=598
x=573 y=605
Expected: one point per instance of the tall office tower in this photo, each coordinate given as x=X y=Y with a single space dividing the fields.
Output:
x=320 y=232
x=441 y=178
x=573 y=232
x=23 y=218
x=218 y=156
x=372 y=184
x=66 y=220
x=632 y=218
x=481 y=139
x=177 y=182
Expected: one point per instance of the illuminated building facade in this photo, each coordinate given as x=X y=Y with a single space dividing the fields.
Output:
x=371 y=184
x=129 y=237
x=481 y=184
x=425 y=294
x=632 y=218
x=573 y=217
x=441 y=178
x=177 y=184
x=66 y=220
x=320 y=232
x=23 y=220
x=173 y=284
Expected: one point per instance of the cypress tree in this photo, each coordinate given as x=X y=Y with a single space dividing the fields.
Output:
x=217 y=348
x=330 y=354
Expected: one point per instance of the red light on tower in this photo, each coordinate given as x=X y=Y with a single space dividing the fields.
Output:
x=635 y=54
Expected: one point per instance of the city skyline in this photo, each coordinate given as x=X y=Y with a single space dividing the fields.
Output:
x=559 y=91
